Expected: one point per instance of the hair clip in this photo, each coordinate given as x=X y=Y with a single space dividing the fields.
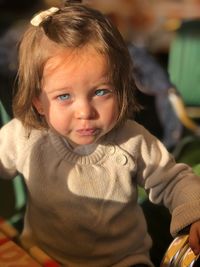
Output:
x=37 y=19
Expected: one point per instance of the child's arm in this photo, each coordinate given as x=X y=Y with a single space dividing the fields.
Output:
x=13 y=141
x=172 y=184
x=8 y=150
x=194 y=237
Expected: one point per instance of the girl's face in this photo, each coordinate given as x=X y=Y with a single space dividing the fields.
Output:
x=77 y=100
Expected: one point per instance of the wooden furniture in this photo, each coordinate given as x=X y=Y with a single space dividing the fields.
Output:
x=12 y=254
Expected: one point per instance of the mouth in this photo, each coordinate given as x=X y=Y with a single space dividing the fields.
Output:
x=88 y=131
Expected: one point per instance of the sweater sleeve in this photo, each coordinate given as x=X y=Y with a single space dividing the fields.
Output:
x=171 y=184
x=11 y=135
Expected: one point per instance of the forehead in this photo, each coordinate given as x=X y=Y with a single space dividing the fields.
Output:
x=69 y=68
x=67 y=58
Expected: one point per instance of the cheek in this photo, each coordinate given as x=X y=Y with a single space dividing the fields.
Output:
x=59 y=119
x=51 y=116
x=55 y=118
x=111 y=113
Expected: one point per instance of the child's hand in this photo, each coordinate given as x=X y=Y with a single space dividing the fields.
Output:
x=194 y=237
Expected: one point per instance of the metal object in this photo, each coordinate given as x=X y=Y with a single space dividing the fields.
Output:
x=179 y=254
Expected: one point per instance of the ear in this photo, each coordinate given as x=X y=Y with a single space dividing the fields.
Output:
x=38 y=105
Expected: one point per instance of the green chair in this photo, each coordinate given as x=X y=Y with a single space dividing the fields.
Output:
x=184 y=72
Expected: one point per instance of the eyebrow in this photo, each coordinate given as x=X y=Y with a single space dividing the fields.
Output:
x=102 y=81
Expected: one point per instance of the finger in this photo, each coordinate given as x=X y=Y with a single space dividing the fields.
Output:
x=194 y=240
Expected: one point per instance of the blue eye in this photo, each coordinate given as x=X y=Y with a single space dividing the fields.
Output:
x=64 y=97
x=101 y=92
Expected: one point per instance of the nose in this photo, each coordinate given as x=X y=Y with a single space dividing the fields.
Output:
x=85 y=110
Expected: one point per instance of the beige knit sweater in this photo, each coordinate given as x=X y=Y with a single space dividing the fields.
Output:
x=82 y=209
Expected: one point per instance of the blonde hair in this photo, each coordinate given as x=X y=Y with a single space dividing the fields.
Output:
x=74 y=27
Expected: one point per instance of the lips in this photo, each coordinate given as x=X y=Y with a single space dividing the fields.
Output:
x=88 y=131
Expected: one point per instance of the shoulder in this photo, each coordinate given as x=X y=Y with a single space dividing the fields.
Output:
x=134 y=138
x=15 y=127
x=13 y=123
x=131 y=130
x=12 y=128
x=17 y=135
